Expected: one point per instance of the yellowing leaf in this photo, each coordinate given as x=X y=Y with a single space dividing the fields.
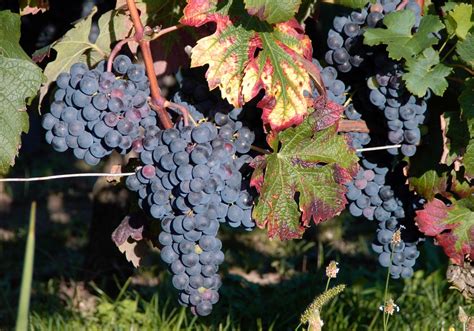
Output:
x=249 y=55
x=458 y=20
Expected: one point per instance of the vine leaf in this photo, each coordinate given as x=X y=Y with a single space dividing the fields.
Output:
x=76 y=46
x=129 y=239
x=457 y=135
x=458 y=20
x=272 y=11
x=356 y=4
x=33 y=6
x=20 y=79
x=425 y=72
x=465 y=50
x=466 y=101
x=429 y=184
x=252 y=55
x=303 y=180
x=453 y=226
x=398 y=37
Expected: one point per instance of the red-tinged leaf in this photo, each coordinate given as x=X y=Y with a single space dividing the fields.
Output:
x=40 y=54
x=33 y=6
x=452 y=227
x=326 y=112
x=461 y=187
x=304 y=179
x=258 y=164
x=246 y=55
x=130 y=227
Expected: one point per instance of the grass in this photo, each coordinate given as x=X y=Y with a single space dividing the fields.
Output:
x=266 y=284
x=425 y=301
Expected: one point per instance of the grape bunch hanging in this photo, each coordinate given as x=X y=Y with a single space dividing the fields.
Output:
x=381 y=97
x=190 y=177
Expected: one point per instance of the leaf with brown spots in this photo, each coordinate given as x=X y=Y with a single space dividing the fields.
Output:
x=303 y=179
x=246 y=55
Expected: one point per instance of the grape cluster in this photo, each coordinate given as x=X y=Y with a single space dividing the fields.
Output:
x=345 y=40
x=371 y=198
x=190 y=179
x=95 y=112
x=404 y=113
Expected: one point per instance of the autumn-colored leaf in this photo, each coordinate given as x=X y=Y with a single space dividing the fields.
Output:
x=452 y=227
x=33 y=6
x=128 y=237
x=246 y=55
x=326 y=112
x=258 y=164
x=429 y=183
x=303 y=180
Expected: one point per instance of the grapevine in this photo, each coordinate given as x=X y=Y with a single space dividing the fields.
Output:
x=276 y=135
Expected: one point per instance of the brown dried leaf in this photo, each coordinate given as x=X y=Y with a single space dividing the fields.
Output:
x=134 y=251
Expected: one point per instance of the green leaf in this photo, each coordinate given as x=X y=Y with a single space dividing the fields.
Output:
x=250 y=56
x=465 y=50
x=75 y=45
x=425 y=72
x=355 y=4
x=20 y=79
x=304 y=180
x=468 y=160
x=398 y=36
x=466 y=103
x=457 y=133
x=458 y=20
x=429 y=183
x=272 y=11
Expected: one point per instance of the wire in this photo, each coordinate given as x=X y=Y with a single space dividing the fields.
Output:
x=126 y=174
x=92 y=174
x=378 y=148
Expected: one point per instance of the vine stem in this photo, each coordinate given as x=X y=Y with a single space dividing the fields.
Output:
x=471 y=72
x=259 y=149
x=447 y=53
x=156 y=99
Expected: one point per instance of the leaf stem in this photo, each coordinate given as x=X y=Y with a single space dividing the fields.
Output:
x=259 y=149
x=447 y=53
x=471 y=72
x=352 y=126
x=445 y=43
x=156 y=99
x=160 y=32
